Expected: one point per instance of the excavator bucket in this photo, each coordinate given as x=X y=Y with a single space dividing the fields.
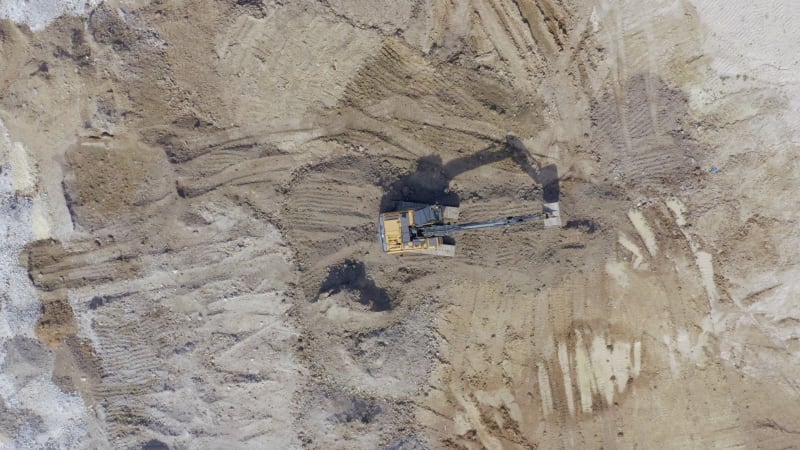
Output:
x=552 y=215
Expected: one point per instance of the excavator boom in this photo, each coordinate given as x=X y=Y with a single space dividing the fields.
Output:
x=446 y=230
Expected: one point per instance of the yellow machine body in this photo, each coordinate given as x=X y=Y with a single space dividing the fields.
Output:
x=393 y=230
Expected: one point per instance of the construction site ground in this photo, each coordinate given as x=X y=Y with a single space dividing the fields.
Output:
x=189 y=195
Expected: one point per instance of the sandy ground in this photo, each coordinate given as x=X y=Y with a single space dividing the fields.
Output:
x=188 y=199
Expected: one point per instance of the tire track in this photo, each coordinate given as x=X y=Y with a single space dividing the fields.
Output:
x=271 y=171
x=503 y=44
x=663 y=157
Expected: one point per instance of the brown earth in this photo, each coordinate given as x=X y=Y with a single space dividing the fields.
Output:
x=213 y=171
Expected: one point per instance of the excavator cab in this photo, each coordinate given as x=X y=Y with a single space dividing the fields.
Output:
x=420 y=229
x=398 y=230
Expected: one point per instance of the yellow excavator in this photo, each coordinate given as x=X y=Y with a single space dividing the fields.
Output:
x=421 y=229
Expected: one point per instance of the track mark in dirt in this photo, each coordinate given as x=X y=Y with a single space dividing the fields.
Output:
x=51 y=266
x=591 y=371
x=351 y=275
x=547 y=23
x=510 y=368
x=330 y=209
x=417 y=104
x=643 y=229
x=203 y=254
x=643 y=156
x=185 y=144
x=204 y=162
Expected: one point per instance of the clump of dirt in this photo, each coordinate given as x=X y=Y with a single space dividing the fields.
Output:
x=110 y=176
x=56 y=321
x=78 y=51
x=586 y=225
x=356 y=409
x=351 y=275
x=76 y=368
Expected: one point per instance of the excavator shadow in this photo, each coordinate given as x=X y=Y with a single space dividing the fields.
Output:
x=429 y=183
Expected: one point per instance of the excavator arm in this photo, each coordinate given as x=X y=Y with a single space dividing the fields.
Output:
x=429 y=231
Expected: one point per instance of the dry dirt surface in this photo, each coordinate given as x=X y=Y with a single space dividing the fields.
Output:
x=188 y=202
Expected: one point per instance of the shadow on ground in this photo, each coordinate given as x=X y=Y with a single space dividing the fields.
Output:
x=429 y=183
x=351 y=275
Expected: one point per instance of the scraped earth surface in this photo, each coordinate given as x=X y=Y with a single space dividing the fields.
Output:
x=189 y=193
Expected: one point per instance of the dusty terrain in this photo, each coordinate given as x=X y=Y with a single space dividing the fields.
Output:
x=189 y=192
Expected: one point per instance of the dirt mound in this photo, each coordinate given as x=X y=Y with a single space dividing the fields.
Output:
x=56 y=322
